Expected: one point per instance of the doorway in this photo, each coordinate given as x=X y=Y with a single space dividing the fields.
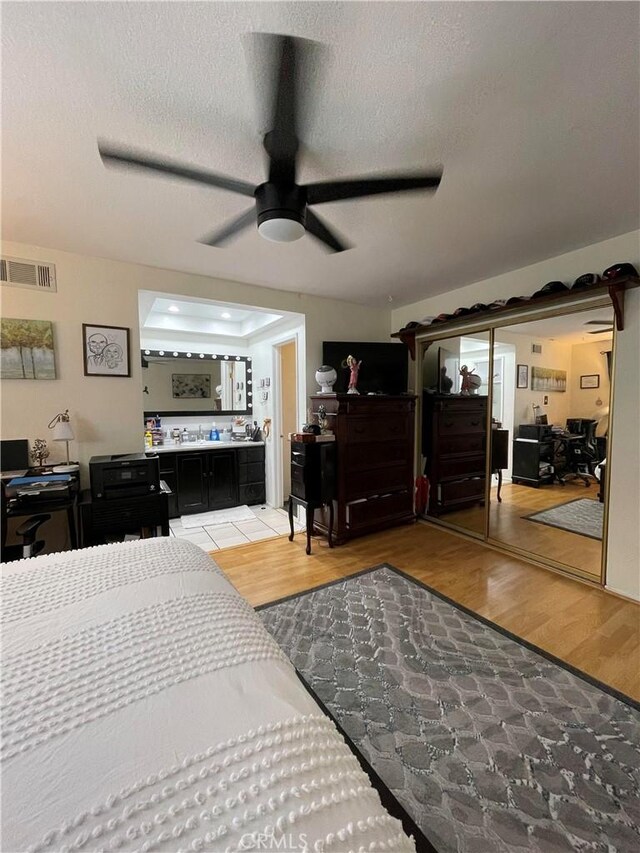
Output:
x=287 y=356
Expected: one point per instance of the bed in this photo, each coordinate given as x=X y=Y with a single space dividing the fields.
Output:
x=145 y=707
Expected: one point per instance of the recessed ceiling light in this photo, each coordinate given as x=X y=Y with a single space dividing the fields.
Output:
x=225 y=315
x=174 y=309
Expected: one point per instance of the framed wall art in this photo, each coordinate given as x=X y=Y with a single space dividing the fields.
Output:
x=548 y=379
x=522 y=376
x=105 y=350
x=27 y=349
x=194 y=386
x=590 y=380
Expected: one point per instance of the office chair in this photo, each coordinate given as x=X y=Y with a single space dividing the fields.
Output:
x=27 y=531
x=581 y=453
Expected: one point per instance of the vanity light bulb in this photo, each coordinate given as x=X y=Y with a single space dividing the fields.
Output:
x=161 y=352
x=188 y=355
x=175 y=355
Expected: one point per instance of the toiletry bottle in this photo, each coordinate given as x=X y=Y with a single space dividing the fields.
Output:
x=185 y=435
x=148 y=440
x=213 y=433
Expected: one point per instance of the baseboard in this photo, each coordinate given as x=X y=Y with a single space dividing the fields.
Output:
x=622 y=595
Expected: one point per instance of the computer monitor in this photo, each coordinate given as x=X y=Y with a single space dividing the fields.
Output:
x=14 y=455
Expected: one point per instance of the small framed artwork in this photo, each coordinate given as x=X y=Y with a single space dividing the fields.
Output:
x=523 y=376
x=192 y=386
x=590 y=380
x=106 y=350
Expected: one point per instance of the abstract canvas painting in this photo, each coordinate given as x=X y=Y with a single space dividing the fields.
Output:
x=548 y=379
x=191 y=385
x=27 y=349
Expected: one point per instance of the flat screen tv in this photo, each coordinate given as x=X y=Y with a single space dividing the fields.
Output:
x=384 y=368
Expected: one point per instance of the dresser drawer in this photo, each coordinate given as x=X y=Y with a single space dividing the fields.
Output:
x=458 y=490
x=362 y=457
x=384 y=428
x=461 y=423
x=374 y=406
x=455 y=445
x=380 y=509
x=378 y=480
x=471 y=466
x=459 y=404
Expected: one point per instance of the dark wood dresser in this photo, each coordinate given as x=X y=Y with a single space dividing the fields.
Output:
x=454 y=443
x=374 y=462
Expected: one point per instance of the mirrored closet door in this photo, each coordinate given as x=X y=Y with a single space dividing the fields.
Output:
x=456 y=379
x=550 y=411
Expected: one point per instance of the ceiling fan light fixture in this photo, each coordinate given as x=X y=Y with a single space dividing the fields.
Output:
x=281 y=230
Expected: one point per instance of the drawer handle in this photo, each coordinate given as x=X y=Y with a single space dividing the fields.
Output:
x=448 y=423
x=475 y=423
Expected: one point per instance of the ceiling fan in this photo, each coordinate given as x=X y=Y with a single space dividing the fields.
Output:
x=282 y=208
x=608 y=323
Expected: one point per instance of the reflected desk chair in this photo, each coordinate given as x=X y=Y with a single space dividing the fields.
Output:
x=580 y=451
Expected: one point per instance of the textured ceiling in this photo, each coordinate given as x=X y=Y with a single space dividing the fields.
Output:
x=532 y=109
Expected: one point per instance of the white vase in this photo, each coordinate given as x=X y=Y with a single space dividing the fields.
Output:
x=325 y=377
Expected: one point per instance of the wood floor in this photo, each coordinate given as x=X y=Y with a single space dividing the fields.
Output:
x=585 y=626
x=508 y=525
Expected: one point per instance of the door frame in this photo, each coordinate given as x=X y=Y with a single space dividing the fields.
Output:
x=278 y=456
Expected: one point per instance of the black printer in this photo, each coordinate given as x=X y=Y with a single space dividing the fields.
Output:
x=123 y=475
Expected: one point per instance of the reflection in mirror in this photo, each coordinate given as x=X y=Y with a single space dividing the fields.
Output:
x=199 y=384
x=455 y=380
x=551 y=383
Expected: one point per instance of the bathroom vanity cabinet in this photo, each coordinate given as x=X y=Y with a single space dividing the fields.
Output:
x=211 y=477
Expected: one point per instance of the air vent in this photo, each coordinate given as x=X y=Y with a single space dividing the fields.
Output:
x=537 y=348
x=16 y=272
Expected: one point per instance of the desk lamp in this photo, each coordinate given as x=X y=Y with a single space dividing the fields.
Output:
x=62 y=432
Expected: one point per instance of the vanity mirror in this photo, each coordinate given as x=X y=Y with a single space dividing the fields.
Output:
x=195 y=383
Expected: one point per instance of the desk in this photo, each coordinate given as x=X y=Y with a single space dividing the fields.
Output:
x=36 y=505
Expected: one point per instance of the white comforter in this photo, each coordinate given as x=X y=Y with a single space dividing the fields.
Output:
x=146 y=708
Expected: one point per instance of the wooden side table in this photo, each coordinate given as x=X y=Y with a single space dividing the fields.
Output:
x=313 y=479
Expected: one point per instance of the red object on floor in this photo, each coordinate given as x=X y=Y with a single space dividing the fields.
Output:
x=422 y=494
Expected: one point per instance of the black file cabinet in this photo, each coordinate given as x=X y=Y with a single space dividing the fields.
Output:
x=533 y=462
x=313 y=482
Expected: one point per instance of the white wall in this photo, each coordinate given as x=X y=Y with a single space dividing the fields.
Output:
x=107 y=411
x=623 y=553
x=555 y=354
x=265 y=366
x=587 y=359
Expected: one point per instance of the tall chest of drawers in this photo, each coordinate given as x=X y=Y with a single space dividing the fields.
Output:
x=454 y=444
x=374 y=461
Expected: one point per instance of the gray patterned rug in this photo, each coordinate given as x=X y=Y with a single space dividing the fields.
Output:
x=488 y=744
x=581 y=515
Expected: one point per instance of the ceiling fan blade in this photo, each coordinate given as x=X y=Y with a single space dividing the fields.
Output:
x=598 y=323
x=601 y=331
x=223 y=235
x=114 y=156
x=281 y=141
x=359 y=187
x=320 y=231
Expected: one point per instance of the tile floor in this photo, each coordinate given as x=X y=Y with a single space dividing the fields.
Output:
x=268 y=522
